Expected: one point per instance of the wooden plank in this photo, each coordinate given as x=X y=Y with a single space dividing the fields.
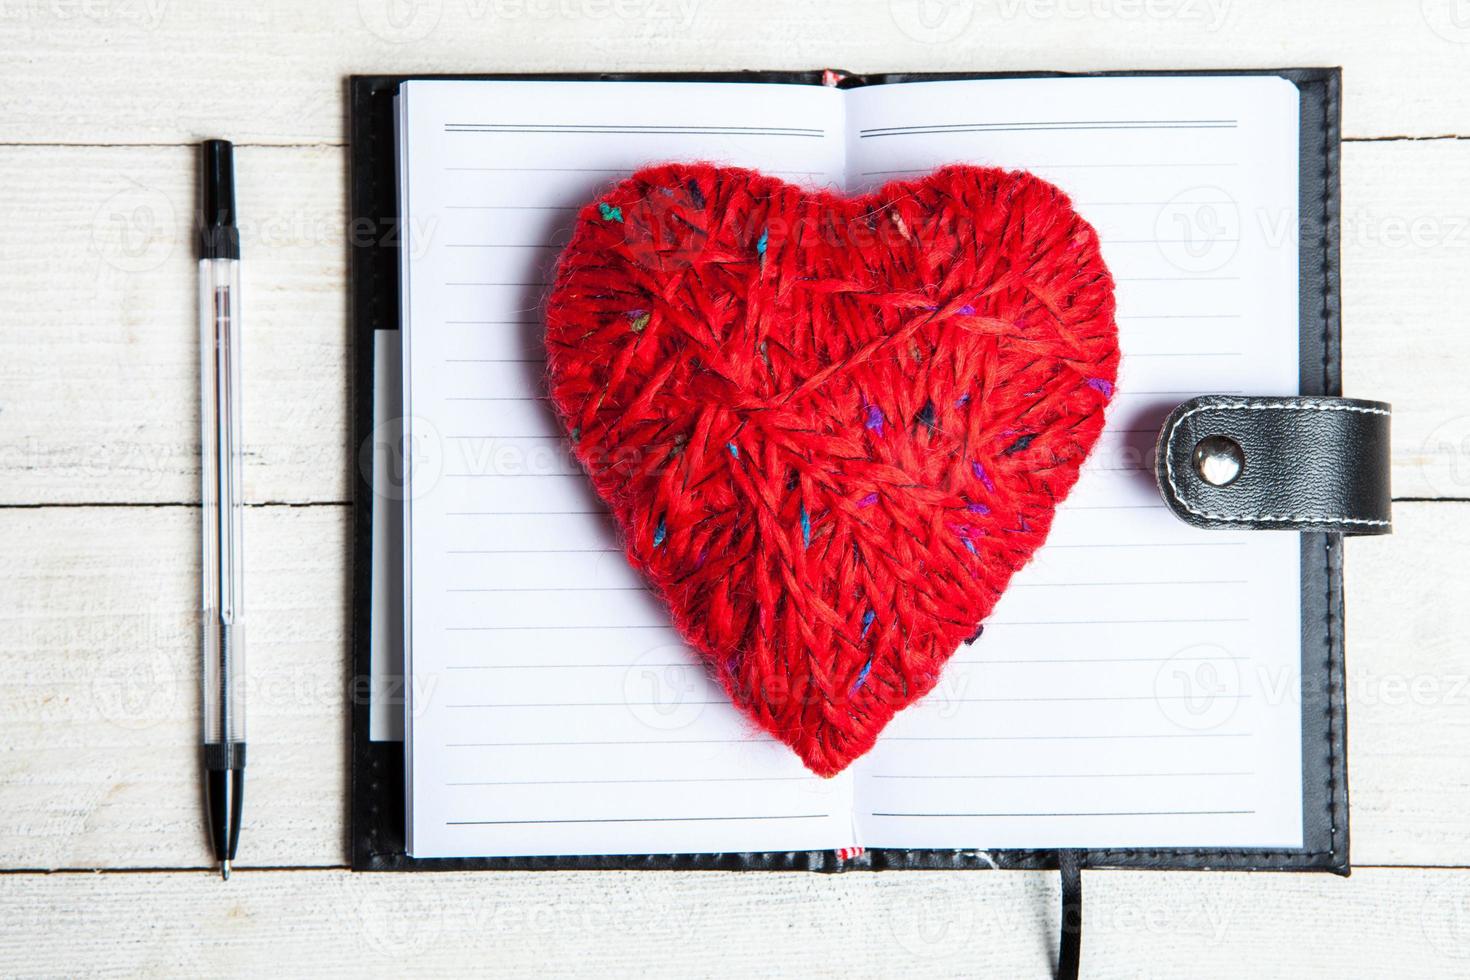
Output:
x=951 y=924
x=116 y=420
x=1406 y=245
x=98 y=662
x=1408 y=688
x=99 y=334
x=100 y=690
x=155 y=72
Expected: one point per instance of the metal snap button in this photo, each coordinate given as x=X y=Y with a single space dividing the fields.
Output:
x=1218 y=460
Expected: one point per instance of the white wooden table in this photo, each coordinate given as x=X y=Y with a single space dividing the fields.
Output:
x=102 y=851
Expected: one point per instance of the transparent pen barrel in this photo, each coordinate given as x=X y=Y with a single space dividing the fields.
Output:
x=222 y=608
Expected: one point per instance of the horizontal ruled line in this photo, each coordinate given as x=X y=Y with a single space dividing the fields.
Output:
x=1191 y=353
x=510 y=207
x=534 y=551
x=1150 y=544
x=1120 y=622
x=1166 y=241
x=972 y=662
x=496 y=398
x=1100 y=737
x=527 y=513
x=603 y=129
x=1157 y=506
x=1125 y=391
x=590 y=588
x=1178 y=316
x=1085 y=585
x=1177 y=278
x=1100 y=660
x=511 y=476
x=626 y=131
x=623 y=666
x=773 y=816
x=503 y=245
x=1039 y=622
x=620 y=782
x=611 y=170
x=1151 y=204
x=945 y=701
x=538 y=170
x=1067 y=166
x=508 y=360
x=670 y=127
x=1066 y=775
x=584 y=704
x=1088 y=813
x=1045 y=127
x=1051 y=122
x=490 y=629
x=578 y=744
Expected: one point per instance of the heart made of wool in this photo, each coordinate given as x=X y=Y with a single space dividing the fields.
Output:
x=830 y=429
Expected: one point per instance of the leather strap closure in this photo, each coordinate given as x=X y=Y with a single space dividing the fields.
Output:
x=1297 y=463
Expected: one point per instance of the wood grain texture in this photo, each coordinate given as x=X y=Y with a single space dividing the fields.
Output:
x=1405 y=252
x=98 y=259
x=99 y=327
x=151 y=71
x=713 y=924
x=1408 y=689
x=98 y=698
x=98 y=357
x=99 y=706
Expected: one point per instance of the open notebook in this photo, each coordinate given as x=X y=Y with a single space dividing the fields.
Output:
x=1140 y=686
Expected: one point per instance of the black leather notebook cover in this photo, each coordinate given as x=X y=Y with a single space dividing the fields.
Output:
x=377 y=767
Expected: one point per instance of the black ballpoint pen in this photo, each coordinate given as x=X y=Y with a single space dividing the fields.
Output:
x=222 y=609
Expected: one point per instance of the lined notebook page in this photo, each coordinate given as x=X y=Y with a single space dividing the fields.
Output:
x=1137 y=684
x=552 y=709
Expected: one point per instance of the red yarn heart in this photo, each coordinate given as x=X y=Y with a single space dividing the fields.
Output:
x=830 y=429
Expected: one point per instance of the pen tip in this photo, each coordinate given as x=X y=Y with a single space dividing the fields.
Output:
x=224 y=870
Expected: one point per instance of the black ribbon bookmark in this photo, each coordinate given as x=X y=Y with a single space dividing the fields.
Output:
x=1069 y=951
